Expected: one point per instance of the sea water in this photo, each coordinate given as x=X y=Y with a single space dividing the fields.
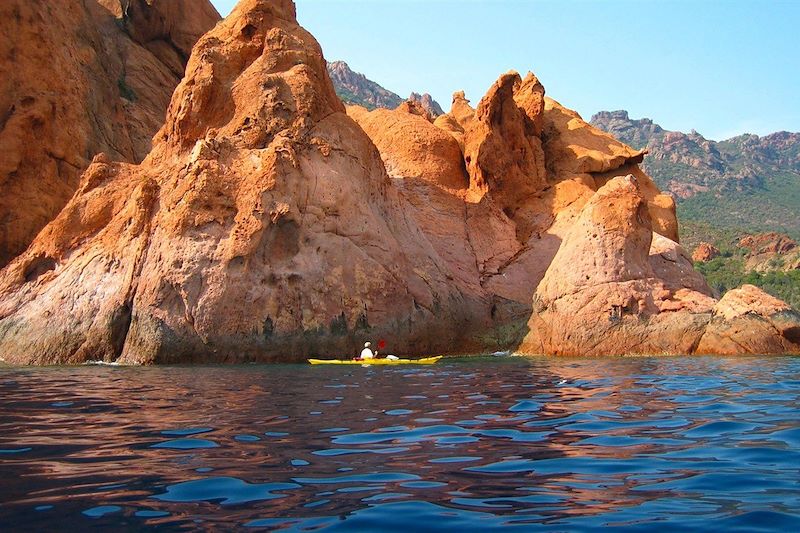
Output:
x=491 y=443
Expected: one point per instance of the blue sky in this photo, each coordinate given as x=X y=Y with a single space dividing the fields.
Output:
x=722 y=67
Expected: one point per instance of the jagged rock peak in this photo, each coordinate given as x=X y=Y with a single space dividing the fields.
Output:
x=426 y=101
x=355 y=88
x=501 y=148
x=529 y=96
x=258 y=36
x=619 y=114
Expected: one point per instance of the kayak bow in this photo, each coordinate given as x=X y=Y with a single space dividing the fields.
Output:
x=423 y=361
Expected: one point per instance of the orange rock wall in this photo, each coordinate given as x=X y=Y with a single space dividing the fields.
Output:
x=78 y=78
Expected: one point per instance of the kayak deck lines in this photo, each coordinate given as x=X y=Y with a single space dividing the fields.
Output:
x=423 y=361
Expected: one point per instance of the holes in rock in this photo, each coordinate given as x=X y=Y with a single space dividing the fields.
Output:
x=281 y=241
x=39 y=265
x=339 y=325
x=792 y=334
x=269 y=328
x=119 y=324
x=37 y=124
x=362 y=323
x=248 y=31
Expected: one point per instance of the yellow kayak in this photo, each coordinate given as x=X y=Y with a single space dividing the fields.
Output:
x=423 y=361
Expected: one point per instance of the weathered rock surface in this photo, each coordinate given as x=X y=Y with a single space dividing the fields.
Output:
x=79 y=77
x=261 y=226
x=412 y=147
x=705 y=252
x=269 y=223
x=413 y=107
x=522 y=190
x=612 y=290
x=748 y=320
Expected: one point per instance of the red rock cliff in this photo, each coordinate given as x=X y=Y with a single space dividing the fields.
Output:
x=264 y=225
x=79 y=77
x=261 y=226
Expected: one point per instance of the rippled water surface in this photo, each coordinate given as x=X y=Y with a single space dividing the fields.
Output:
x=479 y=444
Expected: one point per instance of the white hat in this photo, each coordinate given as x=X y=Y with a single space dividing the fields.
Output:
x=367 y=345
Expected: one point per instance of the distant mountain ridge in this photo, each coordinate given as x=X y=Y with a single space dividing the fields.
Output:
x=356 y=89
x=744 y=183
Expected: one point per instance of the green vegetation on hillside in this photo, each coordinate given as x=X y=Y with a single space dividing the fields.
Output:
x=351 y=99
x=727 y=272
x=772 y=207
x=746 y=183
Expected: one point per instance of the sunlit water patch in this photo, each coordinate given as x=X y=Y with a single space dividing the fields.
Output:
x=704 y=444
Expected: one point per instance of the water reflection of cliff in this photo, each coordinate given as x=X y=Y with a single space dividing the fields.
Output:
x=546 y=439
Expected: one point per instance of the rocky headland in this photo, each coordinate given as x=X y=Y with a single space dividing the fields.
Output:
x=270 y=223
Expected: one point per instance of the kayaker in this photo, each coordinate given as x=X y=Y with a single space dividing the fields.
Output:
x=366 y=353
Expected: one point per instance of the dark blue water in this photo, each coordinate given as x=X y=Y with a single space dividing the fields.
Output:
x=700 y=444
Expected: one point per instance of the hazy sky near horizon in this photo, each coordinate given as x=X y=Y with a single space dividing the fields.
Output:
x=722 y=67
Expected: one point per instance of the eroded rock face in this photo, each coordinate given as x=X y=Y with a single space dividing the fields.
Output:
x=535 y=170
x=531 y=166
x=412 y=147
x=748 y=320
x=502 y=152
x=78 y=78
x=414 y=107
x=264 y=225
x=613 y=289
x=261 y=226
